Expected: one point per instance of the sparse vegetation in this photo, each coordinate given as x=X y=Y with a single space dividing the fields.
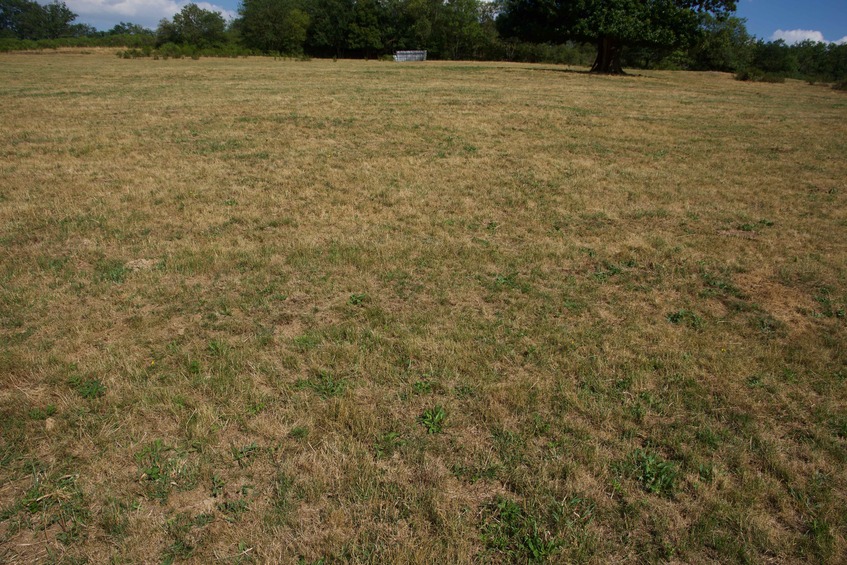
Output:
x=371 y=313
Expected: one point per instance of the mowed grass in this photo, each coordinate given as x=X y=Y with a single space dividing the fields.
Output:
x=278 y=311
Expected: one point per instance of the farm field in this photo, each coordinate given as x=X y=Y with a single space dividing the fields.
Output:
x=255 y=310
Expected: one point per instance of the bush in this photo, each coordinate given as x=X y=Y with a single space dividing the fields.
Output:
x=770 y=77
x=748 y=75
x=840 y=85
x=758 y=75
x=170 y=50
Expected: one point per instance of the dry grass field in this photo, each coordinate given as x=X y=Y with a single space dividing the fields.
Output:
x=305 y=311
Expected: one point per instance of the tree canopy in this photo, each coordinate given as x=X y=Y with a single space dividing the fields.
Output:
x=273 y=25
x=611 y=24
x=25 y=19
x=194 y=26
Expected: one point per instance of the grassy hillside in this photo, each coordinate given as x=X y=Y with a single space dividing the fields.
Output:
x=372 y=312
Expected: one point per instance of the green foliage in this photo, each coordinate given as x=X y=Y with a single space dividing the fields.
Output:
x=611 y=24
x=357 y=299
x=273 y=25
x=52 y=500
x=654 y=473
x=162 y=468
x=24 y=19
x=111 y=270
x=387 y=444
x=87 y=388
x=686 y=317
x=517 y=535
x=433 y=419
x=758 y=75
x=193 y=26
x=43 y=413
x=299 y=432
x=242 y=454
x=324 y=384
x=725 y=45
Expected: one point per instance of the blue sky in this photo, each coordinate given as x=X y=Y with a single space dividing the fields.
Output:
x=802 y=17
x=768 y=19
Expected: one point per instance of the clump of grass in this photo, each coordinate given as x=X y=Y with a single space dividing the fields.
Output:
x=87 y=388
x=163 y=468
x=324 y=384
x=653 y=473
x=112 y=270
x=757 y=75
x=43 y=413
x=357 y=299
x=432 y=419
x=512 y=533
x=387 y=444
x=687 y=318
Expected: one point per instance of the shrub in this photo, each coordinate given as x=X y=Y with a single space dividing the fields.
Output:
x=758 y=75
x=171 y=50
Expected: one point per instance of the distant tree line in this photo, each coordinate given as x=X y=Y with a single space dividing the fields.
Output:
x=513 y=30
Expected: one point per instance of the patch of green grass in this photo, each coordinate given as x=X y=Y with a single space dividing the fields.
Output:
x=387 y=444
x=324 y=384
x=510 y=532
x=687 y=318
x=111 y=270
x=299 y=432
x=653 y=473
x=243 y=454
x=43 y=413
x=163 y=468
x=433 y=419
x=233 y=509
x=357 y=299
x=53 y=502
x=87 y=388
x=422 y=387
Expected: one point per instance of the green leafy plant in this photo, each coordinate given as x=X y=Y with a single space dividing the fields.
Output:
x=509 y=530
x=43 y=413
x=387 y=444
x=87 y=388
x=686 y=317
x=325 y=385
x=299 y=432
x=654 y=473
x=243 y=453
x=422 y=387
x=433 y=419
x=218 y=485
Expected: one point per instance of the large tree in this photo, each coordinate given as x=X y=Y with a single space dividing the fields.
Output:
x=273 y=25
x=25 y=19
x=724 y=46
x=611 y=24
x=193 y=26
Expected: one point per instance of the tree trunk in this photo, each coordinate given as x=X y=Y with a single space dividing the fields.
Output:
x=608 y=59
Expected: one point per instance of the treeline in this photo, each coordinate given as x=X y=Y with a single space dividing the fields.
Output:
x=447 y=29
x=727 y=46
x=25 y=25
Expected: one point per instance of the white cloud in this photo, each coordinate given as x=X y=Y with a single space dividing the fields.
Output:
x=144 y=12
x=792 y=36
x=841 y=41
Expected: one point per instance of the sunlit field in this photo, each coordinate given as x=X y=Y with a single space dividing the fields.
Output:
x=258 y=310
